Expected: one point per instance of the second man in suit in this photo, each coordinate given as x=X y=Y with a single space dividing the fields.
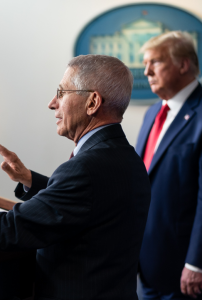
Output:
x=170 y=143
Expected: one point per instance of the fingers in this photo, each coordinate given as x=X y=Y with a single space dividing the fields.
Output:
x=187 y=289
x=190 y=291
x=5 y=167
x=7 y=155
x=191 y=283
x=183 y=287
x=197 y=289
x=15 y=169
x=4 y=151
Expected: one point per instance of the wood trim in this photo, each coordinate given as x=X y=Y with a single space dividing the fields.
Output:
x=7 y=203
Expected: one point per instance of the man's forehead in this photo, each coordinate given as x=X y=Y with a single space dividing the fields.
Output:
x=66 y=80
x=158 y=52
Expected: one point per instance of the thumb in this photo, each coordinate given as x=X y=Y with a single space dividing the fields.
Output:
x=5 y=167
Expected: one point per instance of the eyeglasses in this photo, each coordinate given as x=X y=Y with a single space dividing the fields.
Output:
x=61 y=92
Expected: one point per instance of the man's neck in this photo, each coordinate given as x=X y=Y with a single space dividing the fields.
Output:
x=180 y=86
x=184 y=93
x=93 y=124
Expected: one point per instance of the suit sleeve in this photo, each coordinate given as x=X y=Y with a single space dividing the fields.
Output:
x=39 y=182
x=194 y=254
x=55 y=213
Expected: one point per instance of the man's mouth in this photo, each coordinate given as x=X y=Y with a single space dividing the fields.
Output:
x=151 y=82
x=58 y=120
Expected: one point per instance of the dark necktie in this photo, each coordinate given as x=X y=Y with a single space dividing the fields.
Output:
x=154 y=135
x=72 y=155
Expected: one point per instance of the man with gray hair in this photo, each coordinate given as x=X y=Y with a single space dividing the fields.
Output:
x=87 y=220
x=170 y=144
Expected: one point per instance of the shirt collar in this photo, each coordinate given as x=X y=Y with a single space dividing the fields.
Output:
x=178 y=100
x=86 y=137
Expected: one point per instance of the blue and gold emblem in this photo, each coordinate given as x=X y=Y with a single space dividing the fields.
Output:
x=121 y=32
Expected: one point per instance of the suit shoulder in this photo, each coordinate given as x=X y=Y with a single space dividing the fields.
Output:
x=155 y=106
x=70 y=170
x=153 y=109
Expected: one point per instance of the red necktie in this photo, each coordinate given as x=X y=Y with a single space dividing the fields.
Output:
x=154 y=134
x=72 y=155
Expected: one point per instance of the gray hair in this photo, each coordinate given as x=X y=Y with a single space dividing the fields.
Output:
x=180 y=45
x=106 y=75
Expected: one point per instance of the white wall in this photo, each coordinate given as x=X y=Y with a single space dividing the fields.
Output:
x=37 y=39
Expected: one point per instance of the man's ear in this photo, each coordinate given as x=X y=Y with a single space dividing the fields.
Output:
x=93 y=103
x=184 y=66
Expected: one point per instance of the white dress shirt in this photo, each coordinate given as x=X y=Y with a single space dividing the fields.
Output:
x=175 y=104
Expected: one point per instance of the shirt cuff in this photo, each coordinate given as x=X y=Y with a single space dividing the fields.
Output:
x=26 y=188
x=193 y=268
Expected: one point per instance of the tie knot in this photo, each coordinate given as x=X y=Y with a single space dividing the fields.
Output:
x=163 y=112
x=165 y=107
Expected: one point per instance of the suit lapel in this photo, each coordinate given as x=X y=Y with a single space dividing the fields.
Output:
x=145 y=130
x=182 y=119
x=112 y=131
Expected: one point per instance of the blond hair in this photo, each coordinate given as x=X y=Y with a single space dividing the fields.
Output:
x=180 y=45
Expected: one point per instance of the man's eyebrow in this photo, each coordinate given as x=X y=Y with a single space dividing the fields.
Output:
x=61 y=87
x=157 y=58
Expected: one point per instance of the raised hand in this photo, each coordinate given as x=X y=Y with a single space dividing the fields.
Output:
x=15 y=169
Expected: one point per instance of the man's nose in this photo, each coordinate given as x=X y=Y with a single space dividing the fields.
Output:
x=53 y=103
x=148 y=70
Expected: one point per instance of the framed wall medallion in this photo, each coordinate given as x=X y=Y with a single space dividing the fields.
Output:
x=122 y=31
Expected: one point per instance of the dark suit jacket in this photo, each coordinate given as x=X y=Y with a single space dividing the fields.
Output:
x=86 y=221
x=173 y=233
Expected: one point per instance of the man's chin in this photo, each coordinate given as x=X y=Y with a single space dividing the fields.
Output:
x=154 y=89
x=59 y=132
x=64 y=133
